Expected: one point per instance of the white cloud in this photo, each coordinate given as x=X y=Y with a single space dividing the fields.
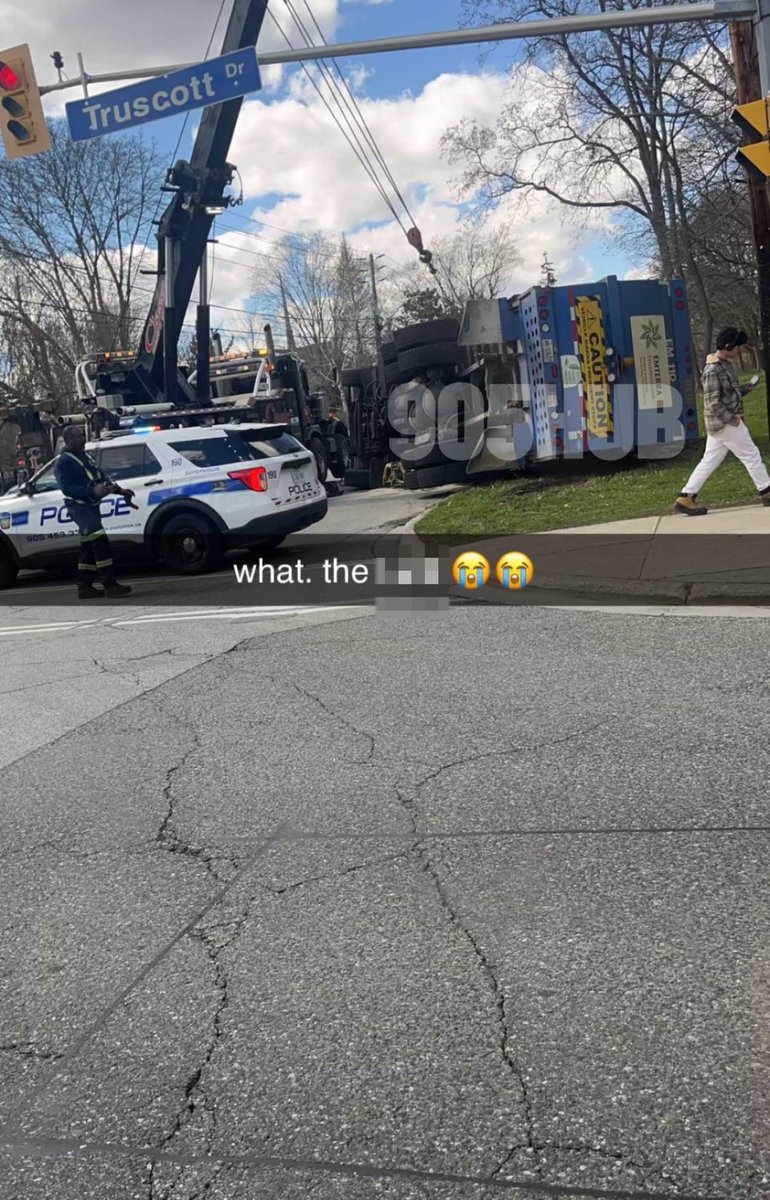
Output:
x=143 y=33
x=298 y=171
x=322 y=186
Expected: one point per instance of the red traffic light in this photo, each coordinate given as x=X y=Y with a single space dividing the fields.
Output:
x=9 y=80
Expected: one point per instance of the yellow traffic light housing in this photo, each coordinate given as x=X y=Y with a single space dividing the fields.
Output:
x=754 y=118
x=22 y=122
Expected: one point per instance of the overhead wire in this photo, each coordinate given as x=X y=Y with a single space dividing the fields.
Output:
x=353 y=106
x=353 y=142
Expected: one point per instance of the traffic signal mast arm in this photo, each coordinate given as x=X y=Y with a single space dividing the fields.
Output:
x=185 y=227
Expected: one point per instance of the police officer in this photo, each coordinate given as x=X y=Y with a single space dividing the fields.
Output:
x=84 y=486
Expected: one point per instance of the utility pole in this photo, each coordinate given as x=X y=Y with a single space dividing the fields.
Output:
x=290 y=343
x=377 y=325
x=748 y=81
x=203 y=335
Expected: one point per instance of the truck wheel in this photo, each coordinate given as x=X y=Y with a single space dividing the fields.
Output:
x=440 y=354
x=190 y=544
x=9 y=568
x=393 y=373
x=342 y=455
x=376 y=472
x=357 y=479
x=446 y=329
x=430 y=477
x=318 y=450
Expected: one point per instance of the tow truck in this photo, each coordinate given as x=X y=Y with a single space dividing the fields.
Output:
x=118 y=388
x=262 y=385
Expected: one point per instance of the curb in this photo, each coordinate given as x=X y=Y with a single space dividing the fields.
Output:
x=652 y=589
x=586 y=585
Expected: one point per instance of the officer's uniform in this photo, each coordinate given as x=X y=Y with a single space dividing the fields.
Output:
x=76 y=475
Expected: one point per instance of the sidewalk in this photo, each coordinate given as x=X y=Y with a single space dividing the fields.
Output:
x=722 y=556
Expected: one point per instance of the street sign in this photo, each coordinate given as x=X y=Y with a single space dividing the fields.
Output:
x=753 y=119
x=212 y=82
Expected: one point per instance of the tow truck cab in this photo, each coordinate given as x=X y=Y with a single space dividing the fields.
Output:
x=276 y=391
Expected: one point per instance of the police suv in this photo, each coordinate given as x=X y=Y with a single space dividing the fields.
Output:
x=198 y=492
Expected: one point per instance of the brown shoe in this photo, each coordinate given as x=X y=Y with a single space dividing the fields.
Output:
x=689 y=507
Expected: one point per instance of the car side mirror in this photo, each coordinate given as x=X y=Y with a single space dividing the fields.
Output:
x=27 y=489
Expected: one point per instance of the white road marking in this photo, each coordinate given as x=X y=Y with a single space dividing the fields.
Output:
x=228 y=614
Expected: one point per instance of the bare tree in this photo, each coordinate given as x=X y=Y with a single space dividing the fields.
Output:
x=76 y=220
x=328 y=301
x=631 y=122
x=475 y=263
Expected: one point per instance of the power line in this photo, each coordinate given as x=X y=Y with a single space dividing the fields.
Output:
x=365 y=163
x=357 y=108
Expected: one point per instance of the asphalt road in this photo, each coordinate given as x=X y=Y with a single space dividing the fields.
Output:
x=344 y=903
x=362 y=905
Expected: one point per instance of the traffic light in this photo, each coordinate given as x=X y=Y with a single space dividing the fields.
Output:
x=754 y=118
x=22 y=122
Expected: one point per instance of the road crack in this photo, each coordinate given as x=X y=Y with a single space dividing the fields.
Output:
x=27 y=1050
x=511 y=752
x=495 y=986
x=340 y=874
x=343 y=721
x=168 y=836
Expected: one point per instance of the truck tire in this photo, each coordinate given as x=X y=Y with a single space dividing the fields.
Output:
x=190 y=544
x=430 y=477
x=357 y=479
x=439 y=354
x=447 y=329
x=376 y=472
x=342 y=455
x=9 y=568
x=393 y=373
x=317 y=448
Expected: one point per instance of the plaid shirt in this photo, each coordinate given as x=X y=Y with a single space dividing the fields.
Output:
x=722 y=394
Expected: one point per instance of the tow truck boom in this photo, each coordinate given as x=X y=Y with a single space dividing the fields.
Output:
x=199 y=187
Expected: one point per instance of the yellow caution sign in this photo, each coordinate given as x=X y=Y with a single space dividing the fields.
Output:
x=754 y=119
x=593 y=366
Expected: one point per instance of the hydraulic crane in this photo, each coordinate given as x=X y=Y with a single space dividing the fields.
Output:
x=199 y=188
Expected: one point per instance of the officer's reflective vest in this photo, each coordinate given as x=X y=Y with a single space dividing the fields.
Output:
x=92 y=474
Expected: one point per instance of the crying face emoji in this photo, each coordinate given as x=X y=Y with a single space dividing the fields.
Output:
x=471 y=570
x=515 y=570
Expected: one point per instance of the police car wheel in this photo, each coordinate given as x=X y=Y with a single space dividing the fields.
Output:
x=8 y=569
x=189 y=544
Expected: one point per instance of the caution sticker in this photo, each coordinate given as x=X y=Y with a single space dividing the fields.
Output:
x=593 y=365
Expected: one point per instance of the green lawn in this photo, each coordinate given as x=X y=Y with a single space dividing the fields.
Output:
x=559 y=495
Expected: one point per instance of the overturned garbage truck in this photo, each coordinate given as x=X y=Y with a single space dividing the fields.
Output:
x=600 y=370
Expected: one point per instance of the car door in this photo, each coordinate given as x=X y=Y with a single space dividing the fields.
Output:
x=135 y=467
x=47 y=528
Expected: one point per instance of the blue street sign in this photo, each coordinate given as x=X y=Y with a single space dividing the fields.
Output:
x=226 y=78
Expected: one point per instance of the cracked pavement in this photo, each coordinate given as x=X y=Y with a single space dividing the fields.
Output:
x=327 y=917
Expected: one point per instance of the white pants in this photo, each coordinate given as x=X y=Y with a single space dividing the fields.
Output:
x=737 y=439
